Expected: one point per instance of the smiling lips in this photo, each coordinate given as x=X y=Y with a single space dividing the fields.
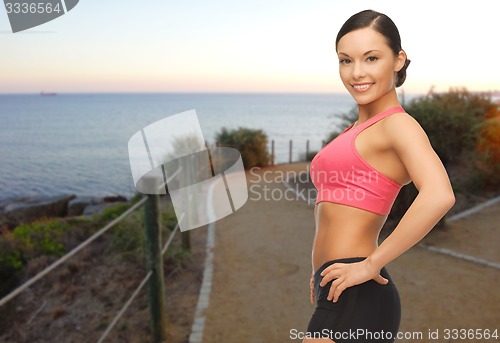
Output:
x=362 y=87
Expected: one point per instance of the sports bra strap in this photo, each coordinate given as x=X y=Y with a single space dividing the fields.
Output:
x=378 y=117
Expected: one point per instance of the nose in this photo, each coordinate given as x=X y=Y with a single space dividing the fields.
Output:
x=358 y=71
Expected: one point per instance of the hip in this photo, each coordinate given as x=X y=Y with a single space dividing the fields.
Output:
x=370 y=306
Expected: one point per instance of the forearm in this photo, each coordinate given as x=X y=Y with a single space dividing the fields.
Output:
x=424 y=213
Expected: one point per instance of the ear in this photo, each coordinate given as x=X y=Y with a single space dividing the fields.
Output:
x=400 y=61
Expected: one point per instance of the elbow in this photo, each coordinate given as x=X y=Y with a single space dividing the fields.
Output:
x=447 y=200
x=442 y=200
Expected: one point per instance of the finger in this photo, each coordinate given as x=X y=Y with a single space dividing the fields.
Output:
x=330 y=268
x=328 y=277
x=381 y=280
x=333 y=288
x=326 y=270
x=338 y=291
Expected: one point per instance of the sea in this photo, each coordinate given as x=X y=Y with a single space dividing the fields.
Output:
x=78 y=143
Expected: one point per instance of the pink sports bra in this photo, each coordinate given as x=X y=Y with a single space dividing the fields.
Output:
x=342 y=176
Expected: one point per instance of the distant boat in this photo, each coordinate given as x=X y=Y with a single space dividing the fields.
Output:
x=47 y=93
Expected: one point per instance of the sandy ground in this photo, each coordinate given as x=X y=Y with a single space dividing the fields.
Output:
x=262 y=266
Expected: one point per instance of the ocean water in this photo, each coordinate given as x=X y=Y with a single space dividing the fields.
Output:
x=77 y=143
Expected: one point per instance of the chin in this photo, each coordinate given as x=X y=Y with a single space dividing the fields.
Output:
x=363 y=99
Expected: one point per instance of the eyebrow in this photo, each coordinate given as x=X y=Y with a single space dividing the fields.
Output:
x=366 y=53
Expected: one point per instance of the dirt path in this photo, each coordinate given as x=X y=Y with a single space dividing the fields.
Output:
x=262 y=268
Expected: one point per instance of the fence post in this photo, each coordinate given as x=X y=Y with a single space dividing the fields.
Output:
x=190 y=168
x=272 y=152
x=307 y=150
x=156 y=287
x=290 y=157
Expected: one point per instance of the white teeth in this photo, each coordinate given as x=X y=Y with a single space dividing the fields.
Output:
x=362 y=86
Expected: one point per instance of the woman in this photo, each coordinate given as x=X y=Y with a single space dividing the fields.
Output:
x=358 y=175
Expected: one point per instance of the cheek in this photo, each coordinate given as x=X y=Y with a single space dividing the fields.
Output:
x=385 y=73
x=344 y=74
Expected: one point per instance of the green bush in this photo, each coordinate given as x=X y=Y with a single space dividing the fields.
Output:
x=128 y=240
x=177 y=257
x=127 y=236
x=42 y=237
x=136 y=198
x=251 y=143
x=452 y=120
x=168 y=218
x=488 y=148
x=11 y=263
x=47 y=237
x=114 y=212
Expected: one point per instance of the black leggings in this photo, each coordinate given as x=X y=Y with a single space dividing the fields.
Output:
x=368 y=312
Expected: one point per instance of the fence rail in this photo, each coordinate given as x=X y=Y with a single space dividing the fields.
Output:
x=291 y=151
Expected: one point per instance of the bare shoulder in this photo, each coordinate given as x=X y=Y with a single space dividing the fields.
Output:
x=402 y=128
x=410 y=142
x=401 y=120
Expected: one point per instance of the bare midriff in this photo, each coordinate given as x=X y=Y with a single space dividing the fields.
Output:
x=344 y=231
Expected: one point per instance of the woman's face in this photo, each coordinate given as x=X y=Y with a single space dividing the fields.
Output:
x=367 y=65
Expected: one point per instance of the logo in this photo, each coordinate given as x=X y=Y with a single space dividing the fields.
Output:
x=170 y=155
x=25 y=14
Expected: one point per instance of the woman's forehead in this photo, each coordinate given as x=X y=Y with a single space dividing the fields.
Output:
x=359 y=41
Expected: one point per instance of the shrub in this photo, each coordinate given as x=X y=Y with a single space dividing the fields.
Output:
x=128 y=240
x=136 y=198
x=168 y=218
x=177 y=257
x=252 y=144
x=127 y=236
x=114 y=212
x=42 y=237
x=488 y=146
x=11 y=263
x=452 y=120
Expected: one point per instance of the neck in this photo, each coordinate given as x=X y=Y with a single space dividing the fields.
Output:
x=366 y=111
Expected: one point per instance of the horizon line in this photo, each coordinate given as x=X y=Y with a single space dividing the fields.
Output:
x=402 y=91
x=189 y=92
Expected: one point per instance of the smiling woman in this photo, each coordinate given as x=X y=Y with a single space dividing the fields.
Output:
x=350 y=285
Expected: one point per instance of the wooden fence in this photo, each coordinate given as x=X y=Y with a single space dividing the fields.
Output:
x=290 y=151
x=154 y=277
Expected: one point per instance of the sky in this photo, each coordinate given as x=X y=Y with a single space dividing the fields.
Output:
x=241 y=46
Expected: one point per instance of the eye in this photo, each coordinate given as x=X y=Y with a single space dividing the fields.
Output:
x=345 y=61
x=372 y=59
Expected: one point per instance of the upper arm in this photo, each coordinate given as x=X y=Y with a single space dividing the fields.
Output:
x=411 y=144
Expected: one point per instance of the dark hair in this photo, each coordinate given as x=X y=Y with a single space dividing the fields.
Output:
x=383 y=25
